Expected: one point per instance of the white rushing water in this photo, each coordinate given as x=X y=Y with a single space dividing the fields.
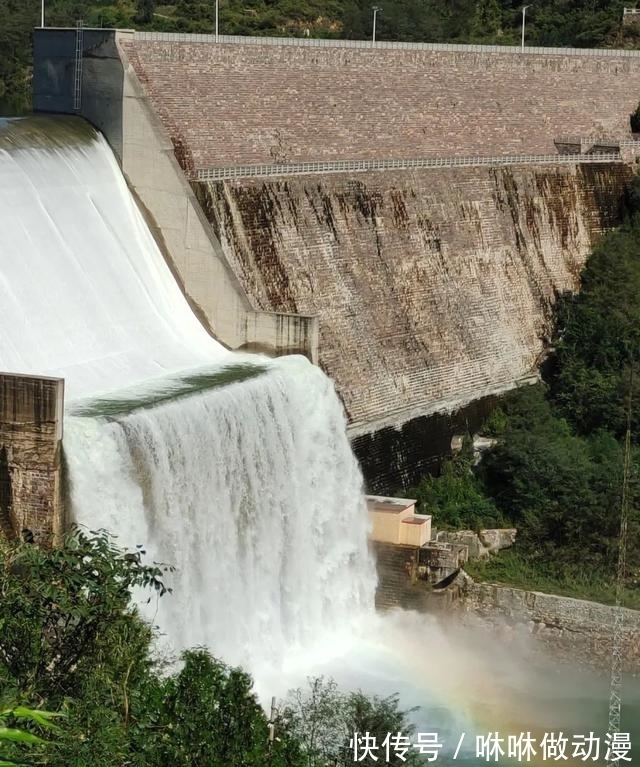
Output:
x=84 y=290
x=248 y=488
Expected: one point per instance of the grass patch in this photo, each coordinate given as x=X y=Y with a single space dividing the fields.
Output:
x=512 y=568
x=167 y=389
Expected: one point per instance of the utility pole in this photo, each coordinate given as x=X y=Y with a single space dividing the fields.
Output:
x=524 y=13
x=375 y=13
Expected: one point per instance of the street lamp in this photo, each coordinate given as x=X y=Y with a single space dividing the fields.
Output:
x=375 y=13
x=524 y=13
x=42 y=13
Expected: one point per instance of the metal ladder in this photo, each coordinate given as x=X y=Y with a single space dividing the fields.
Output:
x=77 y=80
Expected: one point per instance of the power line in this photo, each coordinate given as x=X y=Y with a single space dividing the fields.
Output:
x=618 y=636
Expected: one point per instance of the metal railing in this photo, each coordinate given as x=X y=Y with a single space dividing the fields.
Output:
x=358 y=166
x=599 y=141
x=184 y=37
x=631 y=12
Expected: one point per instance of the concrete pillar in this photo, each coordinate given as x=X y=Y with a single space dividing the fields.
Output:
x=31 y=414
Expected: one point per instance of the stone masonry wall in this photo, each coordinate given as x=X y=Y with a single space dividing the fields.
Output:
x=433 y=287
x=398 y=585
x=233 y=103
x=575 y=628
x=565 y=628
x=31 y=411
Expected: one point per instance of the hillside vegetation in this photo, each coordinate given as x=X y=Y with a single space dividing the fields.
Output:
x=549 y=22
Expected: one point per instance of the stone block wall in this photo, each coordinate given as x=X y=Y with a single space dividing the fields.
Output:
x=398 y=582
x=576 y=628
x=232 y=103
x=433 y=287
x=31 y=412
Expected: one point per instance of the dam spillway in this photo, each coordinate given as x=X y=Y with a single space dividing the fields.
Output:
x=83 y=288
x=234 y=469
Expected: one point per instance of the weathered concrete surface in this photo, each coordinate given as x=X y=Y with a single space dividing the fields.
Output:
x=568 y=629
x=433 y=287
x=395 y=457
x=113 y=100
x=234 y=104
x=31 y=412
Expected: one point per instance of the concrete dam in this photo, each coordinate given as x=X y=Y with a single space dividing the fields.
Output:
x=403 y=232
x=371 y=208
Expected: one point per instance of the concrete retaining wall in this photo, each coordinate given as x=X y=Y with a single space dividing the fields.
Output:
x=31 y=412
x=574 y=627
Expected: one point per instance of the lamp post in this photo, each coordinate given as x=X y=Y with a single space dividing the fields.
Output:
x=524 y=13
x=42 y=13
x=216 y=21
x=375 y=13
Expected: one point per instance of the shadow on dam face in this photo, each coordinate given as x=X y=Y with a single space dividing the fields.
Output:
x=396 y=458
x=5 y=494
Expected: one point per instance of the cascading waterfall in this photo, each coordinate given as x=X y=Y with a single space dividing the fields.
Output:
x=235 y=469
x=251 y=491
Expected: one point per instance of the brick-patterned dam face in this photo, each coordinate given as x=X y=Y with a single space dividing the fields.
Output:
x=233 y=104
x=433 y=287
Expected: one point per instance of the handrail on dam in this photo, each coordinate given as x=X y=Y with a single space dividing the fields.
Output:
x=599 y=141
x=340 y=166
x=186 y=37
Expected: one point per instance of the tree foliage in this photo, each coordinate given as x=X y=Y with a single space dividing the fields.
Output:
x=325 y=720
x=456 y=498
x=71 y=642
x=18 y=741
x=598 y=337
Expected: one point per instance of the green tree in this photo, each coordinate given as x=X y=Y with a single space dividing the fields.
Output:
x=598 y=338
x=225 y=728
x=61 y=608
x=71 y=640
x=145 y=10
x=21 y=742
x=456 y=498
x=325 y=720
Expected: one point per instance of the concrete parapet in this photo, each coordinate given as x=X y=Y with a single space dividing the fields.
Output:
x=285 y=334
x=575 y=627
x=31 y=413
